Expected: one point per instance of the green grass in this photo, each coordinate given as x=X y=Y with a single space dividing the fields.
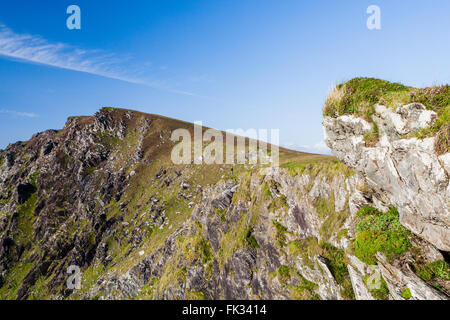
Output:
x=359 y=96
x=251 y=240
x=335 y=260
x=323 y=206
x=90 y=277
x=237 y=237
x=381 y=293
x=40 y=290
x=279 y=203
x=328 y=166
x=284 y=273
x=221 y=213
x=306 y=249
x=406 y=294
x=204 y=248
x=333 y=224
x=25 y=219
x=305 y=290
x=109 y=109
x=337 y=263
x=280 y=233
x=265 y=191
x=437 y=269
x=196 y=295
x=307 y=285
x=14 y=280
x=437 y=98
x=440 y=128
x=33 y=178
x=343 y=233
x=88 y=171
x=380 y=232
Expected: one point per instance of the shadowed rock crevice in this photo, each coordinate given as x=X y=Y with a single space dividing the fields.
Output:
x=24 y=192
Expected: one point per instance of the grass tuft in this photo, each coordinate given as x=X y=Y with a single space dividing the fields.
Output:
x=381 y=293
x=380 y=232
x=359 y=96
x=406 y=294
x=437 y=269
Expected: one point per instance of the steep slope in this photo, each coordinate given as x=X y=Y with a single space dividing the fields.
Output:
x=404 y=161
x=397 y=139
x=103 y=194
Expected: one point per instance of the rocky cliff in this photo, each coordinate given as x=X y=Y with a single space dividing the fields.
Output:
x=396 y=139
x=102 y=195
x=404 y=172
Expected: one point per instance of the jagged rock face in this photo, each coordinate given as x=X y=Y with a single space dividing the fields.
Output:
x=404 y=172
x=247 y=271
x=103 y=195
x=46 y=185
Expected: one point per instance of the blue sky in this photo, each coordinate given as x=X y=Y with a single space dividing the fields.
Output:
x=231 y=64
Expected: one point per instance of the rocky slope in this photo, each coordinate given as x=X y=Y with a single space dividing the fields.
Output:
x=393 y=148
x=103 y=195
x=406 y=173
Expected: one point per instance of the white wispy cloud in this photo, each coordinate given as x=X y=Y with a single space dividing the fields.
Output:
x=36 y=49
x=18 y=113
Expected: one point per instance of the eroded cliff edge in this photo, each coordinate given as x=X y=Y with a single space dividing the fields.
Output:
x=102 y=194
x=406 y=171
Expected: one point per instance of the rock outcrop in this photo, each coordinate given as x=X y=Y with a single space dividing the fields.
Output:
x=403 y=171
